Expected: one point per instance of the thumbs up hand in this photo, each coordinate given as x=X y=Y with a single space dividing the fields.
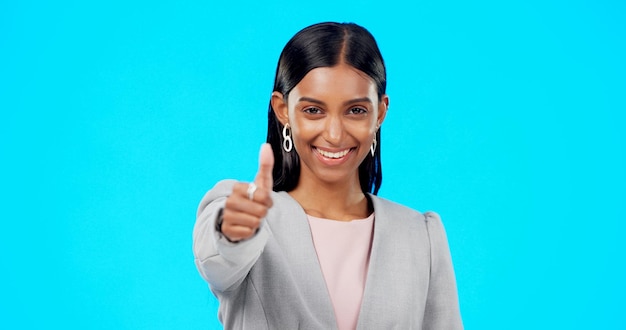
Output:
x=249 y=203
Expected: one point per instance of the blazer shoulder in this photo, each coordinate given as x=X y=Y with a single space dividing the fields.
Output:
x=391 y=208
x=430 y=220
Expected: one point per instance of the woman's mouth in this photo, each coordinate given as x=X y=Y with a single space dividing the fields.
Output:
x=332 y=158
x=333 y=155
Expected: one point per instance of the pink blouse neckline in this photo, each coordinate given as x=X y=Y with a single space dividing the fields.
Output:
x=343 y=250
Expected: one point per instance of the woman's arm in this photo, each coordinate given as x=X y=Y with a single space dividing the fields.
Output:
x=221 y=263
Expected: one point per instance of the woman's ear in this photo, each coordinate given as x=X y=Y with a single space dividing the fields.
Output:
x=279 y=105
x=383 y=105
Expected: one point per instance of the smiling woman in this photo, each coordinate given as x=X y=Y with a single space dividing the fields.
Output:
x=334 y=114
x=308 y=244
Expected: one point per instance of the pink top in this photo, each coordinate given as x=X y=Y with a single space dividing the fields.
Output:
x=343 y=250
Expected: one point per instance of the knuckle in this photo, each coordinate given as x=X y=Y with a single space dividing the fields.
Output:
x=256 y=223
x=262 y=194
x=227 y=232
x=226 y=215
x=229 y=203
x=265 y=198
x=258 y=211
x=240 y=188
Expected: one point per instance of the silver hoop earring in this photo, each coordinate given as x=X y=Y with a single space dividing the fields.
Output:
x=287 y=142
x=373 y=147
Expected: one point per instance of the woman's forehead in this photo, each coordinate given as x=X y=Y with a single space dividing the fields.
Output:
x=337 y=81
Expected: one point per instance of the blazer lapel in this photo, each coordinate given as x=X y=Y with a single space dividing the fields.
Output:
x=298 y=247
x=374 y=279
x=398 y=273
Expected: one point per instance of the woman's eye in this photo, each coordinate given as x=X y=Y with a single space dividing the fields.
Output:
x=357 y=111
x=312 y=111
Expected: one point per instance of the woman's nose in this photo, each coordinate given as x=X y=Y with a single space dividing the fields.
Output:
x=334 y=130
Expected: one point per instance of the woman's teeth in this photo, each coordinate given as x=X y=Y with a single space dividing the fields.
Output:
x=329 y=154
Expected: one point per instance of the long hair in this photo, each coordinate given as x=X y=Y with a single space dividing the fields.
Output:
x=324 y=45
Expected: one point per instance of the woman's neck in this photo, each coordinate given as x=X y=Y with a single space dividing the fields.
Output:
x=342 y=202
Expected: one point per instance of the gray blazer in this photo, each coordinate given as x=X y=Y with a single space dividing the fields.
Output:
x=274 y=280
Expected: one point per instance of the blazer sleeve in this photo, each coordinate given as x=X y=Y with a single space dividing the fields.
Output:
x=442 y=303
x=223 y=264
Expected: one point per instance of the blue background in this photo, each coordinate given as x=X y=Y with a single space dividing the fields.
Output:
x=506 y=117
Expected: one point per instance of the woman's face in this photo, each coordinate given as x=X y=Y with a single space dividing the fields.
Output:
x=334 y=113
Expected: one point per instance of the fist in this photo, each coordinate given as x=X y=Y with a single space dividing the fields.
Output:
x=242 y=215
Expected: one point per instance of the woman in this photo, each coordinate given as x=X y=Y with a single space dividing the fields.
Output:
x=308 y=244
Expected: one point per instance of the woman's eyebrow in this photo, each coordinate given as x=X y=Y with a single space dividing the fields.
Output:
x=316 y=101
x=358 y=100
x=312 y=100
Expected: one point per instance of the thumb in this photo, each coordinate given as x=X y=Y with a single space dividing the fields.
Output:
x=264 y=177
